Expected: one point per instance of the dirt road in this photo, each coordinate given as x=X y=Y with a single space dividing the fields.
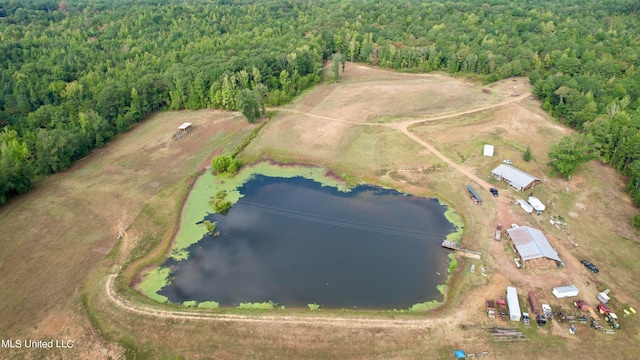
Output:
x=403 y=127
x=315 y=320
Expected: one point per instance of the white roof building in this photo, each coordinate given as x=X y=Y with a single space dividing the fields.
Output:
x=488 y=150
x=565 y=291
x=517 y=178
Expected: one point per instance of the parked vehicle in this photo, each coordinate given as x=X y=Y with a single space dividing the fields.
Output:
x=498 y=235
x=613 y=320
x=491 y=309
x=494 y=191
x=590 y=266
x=546 y=309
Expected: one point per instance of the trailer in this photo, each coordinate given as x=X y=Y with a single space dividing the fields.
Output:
x=474 y=195
x=525 y=206
x=514 y=305
x=536 y=204
x=604 y=309
x=533 y=302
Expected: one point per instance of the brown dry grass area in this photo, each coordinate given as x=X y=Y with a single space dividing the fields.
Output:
x=390 y=95
x=58 y=233
x=355 y=129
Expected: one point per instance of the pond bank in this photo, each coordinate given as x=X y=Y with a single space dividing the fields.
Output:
x=197 y=207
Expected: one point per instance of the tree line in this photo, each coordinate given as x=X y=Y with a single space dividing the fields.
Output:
x=76 y=73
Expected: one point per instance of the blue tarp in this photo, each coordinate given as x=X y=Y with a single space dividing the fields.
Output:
x=474 y=193
x=460 y=354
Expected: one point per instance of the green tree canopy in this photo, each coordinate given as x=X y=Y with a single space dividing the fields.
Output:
x=571 y=152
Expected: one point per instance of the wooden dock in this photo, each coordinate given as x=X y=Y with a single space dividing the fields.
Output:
x=460 y=251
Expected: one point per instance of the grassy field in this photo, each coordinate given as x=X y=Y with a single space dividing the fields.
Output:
x=116 y=213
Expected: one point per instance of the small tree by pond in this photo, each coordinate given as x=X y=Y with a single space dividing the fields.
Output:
x=211 y=228
x=225 y=164
x=219 y=203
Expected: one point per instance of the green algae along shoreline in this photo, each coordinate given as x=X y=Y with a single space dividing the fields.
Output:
x=198 y=201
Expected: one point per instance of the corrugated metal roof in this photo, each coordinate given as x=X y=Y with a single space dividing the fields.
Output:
x=515 y=177
x=531 y=243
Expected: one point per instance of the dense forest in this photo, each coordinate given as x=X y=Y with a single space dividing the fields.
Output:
x=76 y=73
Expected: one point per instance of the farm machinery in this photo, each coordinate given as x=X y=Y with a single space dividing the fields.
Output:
x=609 y=315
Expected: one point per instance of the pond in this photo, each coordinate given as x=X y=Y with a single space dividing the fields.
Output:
x=295 y=242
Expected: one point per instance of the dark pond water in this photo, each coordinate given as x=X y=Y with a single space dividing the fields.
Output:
x=295 y=242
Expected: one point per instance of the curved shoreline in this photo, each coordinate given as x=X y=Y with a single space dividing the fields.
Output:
x=158 y=277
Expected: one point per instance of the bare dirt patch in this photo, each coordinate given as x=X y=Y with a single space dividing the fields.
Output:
x=390 y=95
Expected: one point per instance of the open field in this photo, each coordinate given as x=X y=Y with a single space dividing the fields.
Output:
x=135 y=186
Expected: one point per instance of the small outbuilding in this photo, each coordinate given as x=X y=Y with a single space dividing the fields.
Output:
x=488 y=150
x=603 y=297
x=516 y=178
x=513 y=303
x=565 y=291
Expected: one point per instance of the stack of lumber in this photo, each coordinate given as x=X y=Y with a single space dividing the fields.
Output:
x=506 y=334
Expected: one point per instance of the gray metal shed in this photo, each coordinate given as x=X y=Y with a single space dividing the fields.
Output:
x=517 y=178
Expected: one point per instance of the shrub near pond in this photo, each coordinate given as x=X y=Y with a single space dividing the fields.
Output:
x=219 y=203
x=225 y=164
